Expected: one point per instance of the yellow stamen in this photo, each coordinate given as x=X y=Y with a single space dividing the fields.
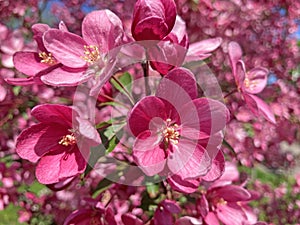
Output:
x=91 y=54
x=171 y=133
x=47 y=58
x=67 y=140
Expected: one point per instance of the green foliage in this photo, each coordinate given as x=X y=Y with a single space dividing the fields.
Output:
x=10 y=215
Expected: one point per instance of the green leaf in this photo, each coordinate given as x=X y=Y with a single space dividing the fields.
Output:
x=125 y=80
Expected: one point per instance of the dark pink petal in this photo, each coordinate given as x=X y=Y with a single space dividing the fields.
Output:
x=202 y=206
x=170 y=206
x=255 y=80
x=233 y=193
x=231 y=214
x=258 y=106
x=199 y=50
x=162 y=217
x=178 y=87
x=187 y=220
x=38 y=30
x=54 y=114
x=211 y=219
x=61 y=185
x=83 y=217
x=217 y=168
x=130 y=219
x=188 y=159
x=184 y=186
x=103 y=29
x=65 y=76
x=171 y=51
x=22 y=81
x=66 y=47
x=48 y=168
x=144 y=112
x=29 y=63
x=39 y=139
x=148 y=153
x=203 y=115
x=71 y=163
x=235 y=54
x=153 y=20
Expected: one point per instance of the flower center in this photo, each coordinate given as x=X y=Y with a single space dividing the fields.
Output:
x=67 y=140
x=47 y=58
x=171 y=133
x=250 y=84
x=91 y=54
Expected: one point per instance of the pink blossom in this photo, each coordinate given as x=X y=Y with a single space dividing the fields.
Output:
x=250 y=83
x=59 y=143
x=101 y=30
x=153 y=20
x=34 y=64
x=174 y=128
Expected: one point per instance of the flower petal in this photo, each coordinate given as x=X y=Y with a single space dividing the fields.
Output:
x=231 y=214
x=28 y=63
x=66 y=47
x=65 y=76
x=203 y=115
x=256 y=80
x=217 y=168
x=178 y=87
x=188 y=159
x=184 y=186
x=145 y=111
x=39 y=139
x=233 y=193
x=199 y=50
x=48 y=168
x=104 y=29
x=54 y=114
x=71 y=163
x=148 y=153
x=258 y=106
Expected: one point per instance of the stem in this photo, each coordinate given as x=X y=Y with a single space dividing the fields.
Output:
x=230 y=93
x=113 y=100
x=145 y=66
x=125 y=90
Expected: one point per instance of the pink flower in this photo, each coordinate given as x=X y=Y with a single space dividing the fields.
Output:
x=101 y=30
x=153 y=20
x=250 y=83
x=34 y=64
x=60 y=143
x=174 y=128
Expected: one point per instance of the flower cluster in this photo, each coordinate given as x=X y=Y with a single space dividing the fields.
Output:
x=149 y=114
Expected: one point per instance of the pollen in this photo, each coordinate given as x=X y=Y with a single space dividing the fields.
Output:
x=47 y=58
x=170 y=132
x=67 y=140
x=91 y=54
x=250 y=84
